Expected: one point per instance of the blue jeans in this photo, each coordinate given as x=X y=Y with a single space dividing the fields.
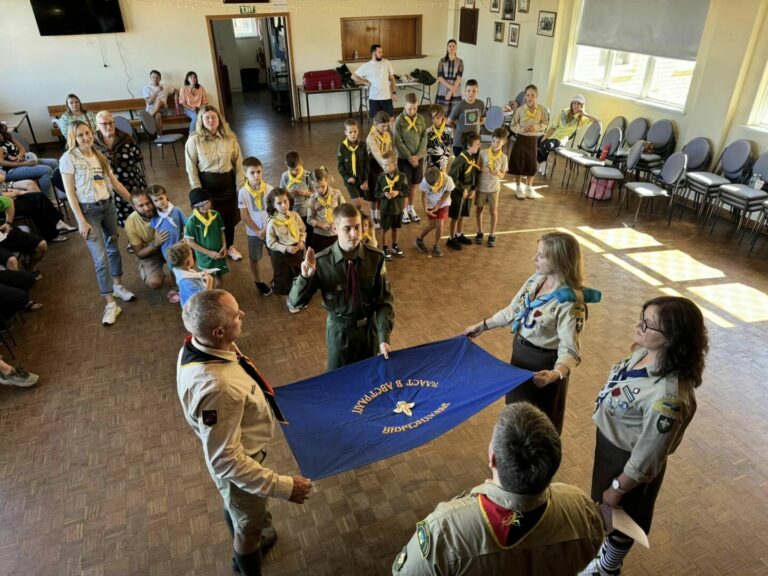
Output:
x=102 y=242
x=192 y=115
x=42 y=173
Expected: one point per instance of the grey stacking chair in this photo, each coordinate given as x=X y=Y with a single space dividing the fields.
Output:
x=761 y=225
x=699 y=153
x=619 y=122
x=587 y=146
x=154 y=139
x=612 y=139
x=671 y=174
x=662 y=136
x=123 y=124
x=611 y=173
x=741 y=198
x=635 y=132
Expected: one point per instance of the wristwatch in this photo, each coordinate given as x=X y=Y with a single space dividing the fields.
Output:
x=616 y=486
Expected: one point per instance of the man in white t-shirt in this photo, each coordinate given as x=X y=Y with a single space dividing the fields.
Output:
x=379 y=75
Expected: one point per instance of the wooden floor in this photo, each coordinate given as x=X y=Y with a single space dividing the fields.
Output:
x=100 y=474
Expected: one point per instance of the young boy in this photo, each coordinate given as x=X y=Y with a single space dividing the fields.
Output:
x=411 y=144
x=392 y=188
x=204 y=233
x=439 y=139
x=493 y=167
x=168 y=218
x=467 y=116
x=252 y=202
x=464 y=172
x=436 y=189
x=352 y=161
x=189 y=280
x=299 y=185
x=378 y=142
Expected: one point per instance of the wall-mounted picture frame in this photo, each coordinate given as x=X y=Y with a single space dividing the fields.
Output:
x=495 y=5
x=514 y=35
x=469 y=3
x=508 y=10
x=546 y=25
x=523 y=6
x=498 y=31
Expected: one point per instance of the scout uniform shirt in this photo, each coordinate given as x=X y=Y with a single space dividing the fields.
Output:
x=524 y=117
x=172 y=221
x=497 y=161
x=205 y=231
x=352 y=162
x=321 y=209
x=302 y=182
x=464 y=171
x=410 y=136
x=231 y=409
x=434 y=194
x=386 y=183
x=378 y=144
x=645 y=414
x=439 y=142
x=217 y=154
x=493 y=531
x=284 y=231
x=552 y=321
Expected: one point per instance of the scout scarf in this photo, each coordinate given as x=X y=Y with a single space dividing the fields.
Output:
x=439 y=184
x=296 y=179
x=288 y=222
x=470 y=162
x=384 y=140
x=528 y=306
x=206 y=221
x=530 y=113
x=167 y=215
x=411 y=123
x=438 y=133
x=391 y=183
x=492 y=158
x=257 y=195
x=325 y=202
x=354 y=156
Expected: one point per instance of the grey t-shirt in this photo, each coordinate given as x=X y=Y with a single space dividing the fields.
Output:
x=466 y=117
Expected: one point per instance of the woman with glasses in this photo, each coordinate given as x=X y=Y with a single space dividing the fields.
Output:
x=124 y=157
x=547 y=316
x=642 y=413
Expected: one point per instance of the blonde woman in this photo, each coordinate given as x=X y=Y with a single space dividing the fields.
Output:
x=528 y=123
x=215 y=163
x=547 y=316
x=90 y=184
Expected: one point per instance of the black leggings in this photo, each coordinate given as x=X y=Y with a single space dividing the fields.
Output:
x=545 y=147
x=14 y=291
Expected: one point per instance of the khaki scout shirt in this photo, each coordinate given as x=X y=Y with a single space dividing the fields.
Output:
x=228 y=412
x=644 y=414
x=318 y=213
x=557 y=325
x=330 y=278
x=279 y=237
x=459 y=538
x=215 y=154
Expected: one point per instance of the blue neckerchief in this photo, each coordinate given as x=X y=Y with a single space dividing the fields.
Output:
x=528 y=306
x=616 y=377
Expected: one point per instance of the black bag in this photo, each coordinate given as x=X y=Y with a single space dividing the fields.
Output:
x=424 y=77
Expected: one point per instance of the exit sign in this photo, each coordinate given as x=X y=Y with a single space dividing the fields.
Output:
x=247 y=9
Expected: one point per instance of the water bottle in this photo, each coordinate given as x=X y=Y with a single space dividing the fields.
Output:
x=319 y=85
x=753 y=181
x=333 y=85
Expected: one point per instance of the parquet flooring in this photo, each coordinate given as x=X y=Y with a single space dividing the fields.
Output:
x=100 y=475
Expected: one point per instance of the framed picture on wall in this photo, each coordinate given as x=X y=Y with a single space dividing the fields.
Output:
x=495 y=5
x=546 y=23
x=498 y=31
x=508 y=10
x=523 y=6
x=469 y=3
x=514 y=35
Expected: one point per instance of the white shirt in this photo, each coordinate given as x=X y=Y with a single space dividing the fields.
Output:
x=259 y=217
x=433 y=197
x=378 y=74
x=91 y=184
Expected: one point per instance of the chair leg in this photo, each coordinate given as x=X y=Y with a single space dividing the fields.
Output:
x=639 y=204
x=173 y=147
x=149 y=145
x=758 y=230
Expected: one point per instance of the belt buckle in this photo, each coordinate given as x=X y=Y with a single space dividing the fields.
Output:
x=362 y=322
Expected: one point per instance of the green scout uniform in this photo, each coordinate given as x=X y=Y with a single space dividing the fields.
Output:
x=493 y=531
x=360 y=318
x=464 y=173
x=392 y=206
x=410 y=141
x=358 y=170
x=210 y=239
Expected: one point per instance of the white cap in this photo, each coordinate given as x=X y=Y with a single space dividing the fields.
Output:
x=578 y=98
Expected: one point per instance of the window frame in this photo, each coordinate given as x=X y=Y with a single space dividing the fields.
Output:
x=255 y=34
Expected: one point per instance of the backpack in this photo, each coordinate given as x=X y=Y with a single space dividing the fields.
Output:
x=600 y=189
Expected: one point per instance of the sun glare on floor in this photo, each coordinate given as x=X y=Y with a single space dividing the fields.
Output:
x=708 y=314
x=621 y=238
x=633 y=270
x=676 y=265
x=743 y=302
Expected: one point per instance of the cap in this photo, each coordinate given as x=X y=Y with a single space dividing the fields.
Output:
x=578 y=98
x=198 y=195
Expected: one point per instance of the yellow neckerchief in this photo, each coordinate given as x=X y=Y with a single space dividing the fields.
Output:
x=384 y=140
x=471 y=163
x=530 y=114
x=411 y=123
x=354 y=156
x=257 y=195
x=439 y=132
x=326 y=204
x=288 y=222
x=439 y=184
x=492 y=159
x=391 y=183
x=297 y=179
x=206 y=221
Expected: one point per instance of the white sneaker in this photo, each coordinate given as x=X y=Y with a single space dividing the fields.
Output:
x=62 y=226
x=414 y=217
x=406 y=219
x=293 y=310
x=519 y=193
x=376 y=224
x=19 y=377
x=111 y=312
x=543 y=168
x=529 y=191
x=593 y=569
x=123 y=293
x=233 y=253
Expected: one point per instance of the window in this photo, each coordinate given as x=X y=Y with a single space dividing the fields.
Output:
x=661 y=80
x=246 y=27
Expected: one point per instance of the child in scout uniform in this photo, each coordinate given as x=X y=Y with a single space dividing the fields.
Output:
x=352 y=161
x=464 y=171
x=493 y=167
x=436 y=189
x=252 y=202
x=168 y=218
x=286 y=238
x=204 y=232
x=297 y=181
x=439 y=139
x=391 y=188
x=321 y=205
x=181 y=259
x=411 y=144
x=369 y=235
x=379 y=141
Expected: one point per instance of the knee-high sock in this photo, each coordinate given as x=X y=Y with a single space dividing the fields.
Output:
x=613 y=551
x=249 y=564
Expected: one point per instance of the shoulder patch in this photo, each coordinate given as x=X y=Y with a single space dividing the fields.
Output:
x=400 y=560
x=210 y=417
x=424 y=537
x=664 y=424
x=667 y=407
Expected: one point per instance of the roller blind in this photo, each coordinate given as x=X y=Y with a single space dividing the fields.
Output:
x=663 y=28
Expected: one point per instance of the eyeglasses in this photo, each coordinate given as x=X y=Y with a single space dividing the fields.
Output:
x=644 y=326
x=106 y=123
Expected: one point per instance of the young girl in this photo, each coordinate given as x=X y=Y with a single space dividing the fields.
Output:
x=321 y=206
x=369 y=237
x=286 y=235
x=379 y=141
x=528 y=122
x=189 y=280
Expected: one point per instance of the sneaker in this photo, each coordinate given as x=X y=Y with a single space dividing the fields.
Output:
x=376 y=224
x=293 y=310
x=263 y=289
x=529 y=191
x=387 y=254
x=173 y=296
x=479 y=238
x=233 y=253
x=60 y=238
x=415 y=217
x=594 y=569
x=123 y=293
x=463 y=240
x=111 y=312
x=406 y=219
x=420 y=246
x=519 y=194
x=397 y=251
x=543 y=168
x=19 y=377
x=64 y=228
x=437 y=252
x=454 y=244
x=491 y=241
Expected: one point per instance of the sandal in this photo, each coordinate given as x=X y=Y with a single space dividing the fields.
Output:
x=33 y=306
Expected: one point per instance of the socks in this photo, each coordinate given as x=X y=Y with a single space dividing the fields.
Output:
x=249 y=564
x=612 y=553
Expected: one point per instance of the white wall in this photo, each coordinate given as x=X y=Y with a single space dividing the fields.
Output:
x=226 y=47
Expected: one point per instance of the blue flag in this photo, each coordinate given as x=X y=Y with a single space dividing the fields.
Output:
x=378 y=408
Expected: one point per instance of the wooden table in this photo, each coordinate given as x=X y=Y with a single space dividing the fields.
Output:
x=359 y=89
x=15 y=119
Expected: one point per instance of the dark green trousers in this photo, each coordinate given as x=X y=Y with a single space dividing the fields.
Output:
x=347 y=342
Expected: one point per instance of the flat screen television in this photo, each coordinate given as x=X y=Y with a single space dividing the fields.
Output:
x=65 y=17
